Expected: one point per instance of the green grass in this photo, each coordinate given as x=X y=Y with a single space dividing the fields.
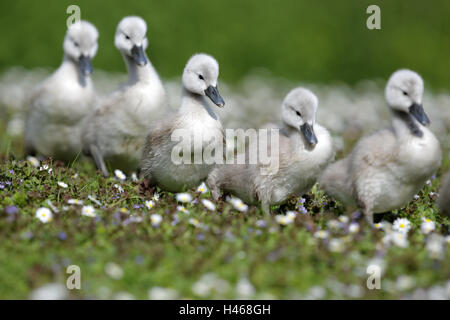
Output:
x=279 y=261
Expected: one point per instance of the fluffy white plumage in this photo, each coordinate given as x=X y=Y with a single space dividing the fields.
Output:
x=116 y=133
x=196 y=118
x=305 y=148
x=386 y=169
x=61 y=103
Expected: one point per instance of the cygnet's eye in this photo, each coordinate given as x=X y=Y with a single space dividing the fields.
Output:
x=201 y=77
x=405 y=93
x=75 y=44
x=127 y=37
x=298 y=113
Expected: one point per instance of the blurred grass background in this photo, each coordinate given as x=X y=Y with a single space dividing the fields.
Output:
x=308 y=40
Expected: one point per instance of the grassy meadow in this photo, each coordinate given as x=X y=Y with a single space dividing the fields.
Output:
x=136 y=242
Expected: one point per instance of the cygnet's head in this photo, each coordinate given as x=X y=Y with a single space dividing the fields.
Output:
x=404 y=92
x=200 y=77
x=80 y=45
x=131 y=39
x=299 y=112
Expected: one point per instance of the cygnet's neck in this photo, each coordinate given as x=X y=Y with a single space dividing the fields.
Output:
x=294 y=135
x=404 y=124
x=71 y=71
x=137 y=73
x=195 y=103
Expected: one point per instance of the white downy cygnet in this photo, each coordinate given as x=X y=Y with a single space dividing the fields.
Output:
x=61 y=103
x=194 y=128
x=386 y=169
x=116 y=133
x=304 y=148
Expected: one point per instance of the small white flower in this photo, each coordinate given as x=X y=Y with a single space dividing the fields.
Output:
x=134 y=177
x=336 y=245
x=402 y=225
x=33 y=161
x=343 y=219
x=436 y=246
x=182 y=209
x=155 y=219
x=416 y=197
x=119 y=188
x=113 y=270
x=333 y=224
x=209 y=205
x=195 y=223
x=62 y=184
x=88 y=211
x=44 y=214
x=150 y=204
x=44 y=167
x=238 y=204
x=202 y=188
x=155 y=197
x=244 y=289
x=379 y=225
x=160 y=293
x=75 y=202
x=285 y=219
x=399 y=239
x=427 y=226
x=120 y=175
x=183 y=197
x=353 y=227
x=321 y=234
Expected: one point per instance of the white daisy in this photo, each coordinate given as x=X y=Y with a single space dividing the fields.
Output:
x=33 y=161
x=155 y=197
x=155 y=219
x=62 y=184
x=44 y=214
x=75 y=202
x=182 y=209
x=353 y=227
x=209 y=205
x=427 y=226
x=400 y=239
x=150 y=204
x=336 y=245
x=379 y=225
x=134 y=177
x=238 y=204
x=120 y=175
x=202 y=188
x=88 y=211
x=343 y=219
x=195 y=223
x=402 y=225
x=183 y=197
x=321 y=234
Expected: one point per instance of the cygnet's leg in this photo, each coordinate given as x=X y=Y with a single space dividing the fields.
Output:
x=265 y=207
x=213 y=185
x=367 y=208
x=98 y=159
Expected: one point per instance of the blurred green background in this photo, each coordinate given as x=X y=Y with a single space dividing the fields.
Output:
x=305 y=40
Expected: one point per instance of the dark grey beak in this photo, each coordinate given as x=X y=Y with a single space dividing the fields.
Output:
x=214 y=95
x=84 y=63
x=308 y=133
x=138 y=55
x=416 y=110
